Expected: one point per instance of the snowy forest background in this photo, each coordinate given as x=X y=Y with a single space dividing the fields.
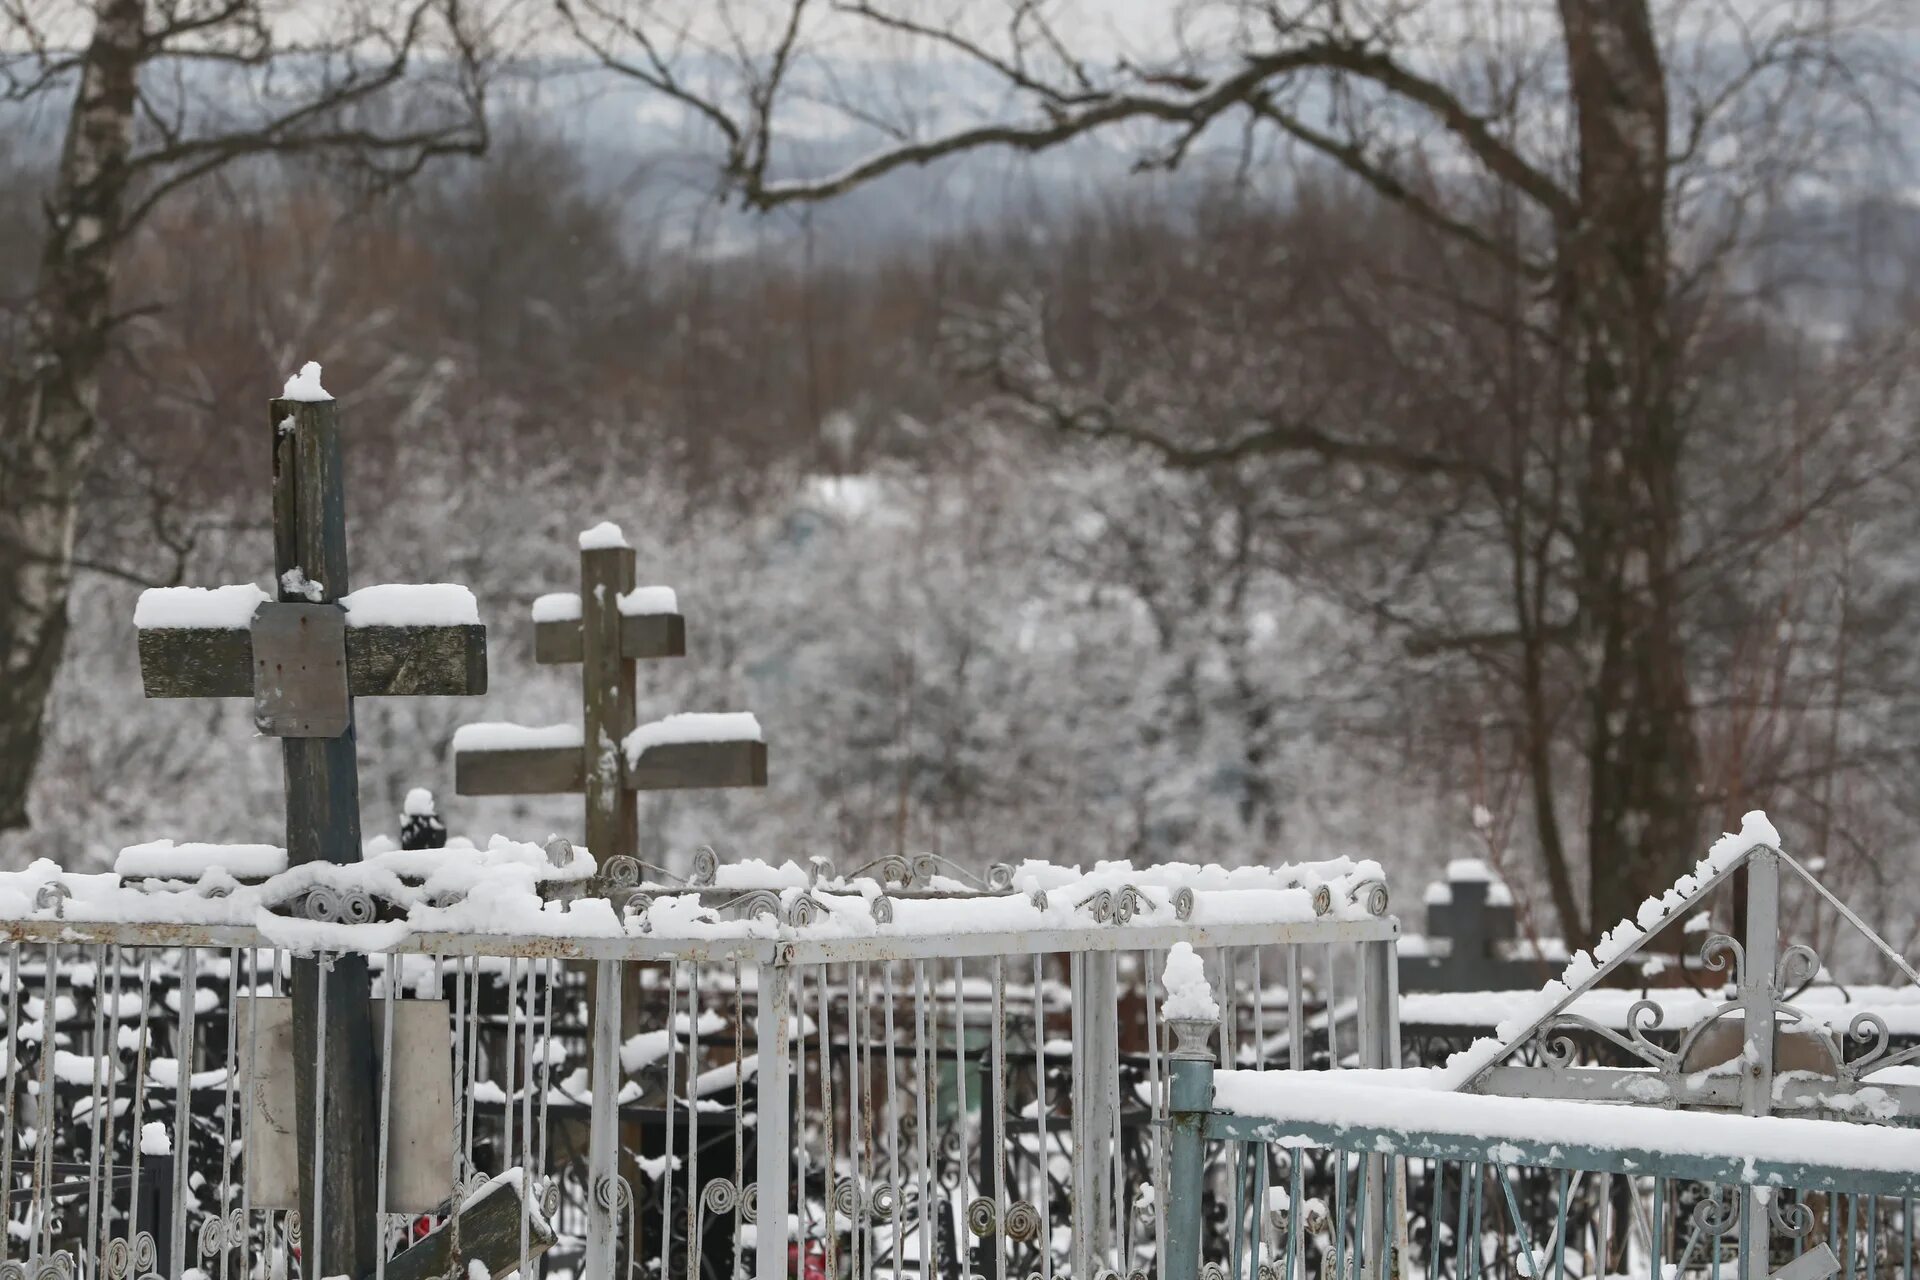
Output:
x=965 y=629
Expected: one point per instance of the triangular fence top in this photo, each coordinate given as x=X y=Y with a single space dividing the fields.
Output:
x=1716 y=1061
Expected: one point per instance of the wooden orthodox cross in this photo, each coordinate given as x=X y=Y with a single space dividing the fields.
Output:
x=303 y=659
x=605 y=629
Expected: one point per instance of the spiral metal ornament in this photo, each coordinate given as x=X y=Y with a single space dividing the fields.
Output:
x=1023 y=1222
x=1108 y=1273
x=882 y=909
x=218 y=1233
x=750 y=1203
x=1370 y=896
x=1269 y=1271
x=1000 y=877
x=638 y=908
x=982 y=1216
x=1322 y=901
x=1039 y=899
x=819 y=870
x=706 y=867
x=14 y=1270
x=720 y=1196
x=894 y=869
x=1100 y=903
x=1722 y=951
x=883 y=1202
x=1138 y=1274
x=58 y=1266
x=559 y=851
x=1789 y=1217
x=323 y=904
x=216 y=891
x=357 y=907
x=1799 y=964
x=52 y=896
x=1213 y=1271
x=1868 y=1029
x=622 y=871
x=1715 y=1218
x=804 y=911
x=1128 y=903
x=1183 y=903
x=925 y=868
x=118 y=1261
x=756 y=903
x=611 y=1192
x=293 y=1226
x=550 y=1198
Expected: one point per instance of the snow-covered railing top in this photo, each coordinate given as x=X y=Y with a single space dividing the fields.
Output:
x=1400 y=1113
x=510 y=897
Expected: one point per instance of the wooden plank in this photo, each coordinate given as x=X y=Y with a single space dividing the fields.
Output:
x=607 y=688
x=489 y=1232
x=402 y=662
x=411 y=662
x=323 y=825
x=521 y=771
x=197 y=662
x=683 y=766
x=642 y=636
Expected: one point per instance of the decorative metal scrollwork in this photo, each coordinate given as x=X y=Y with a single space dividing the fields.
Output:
x=1128 y=903
x=129 y=1257
x=755 y=903
x=559 y=851
x=1716 y=1218
x=1322 y=904
x=1000 y=877
x=1213 y=1271
x=804 y=911
x=611 y=1192
x=846 y=1197
x=983 y=1216
x=1371 y=896
x=328 y=905
x=750 y=1203
x=1023 y=1222
x=883 y=1202
x=720 y=1196
x=1789 y=1217
x=52 y=896
x=1099 y=903
x=550 y=1198
x=1039 y=899
x=882 y=909
x=705 y=869
x=819 y=870
x=639 y=909
x=293 y=1226
x=1183 y=903
x=220 y=1233
x=622 y=871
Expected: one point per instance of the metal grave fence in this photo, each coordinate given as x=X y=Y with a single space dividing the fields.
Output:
x=583 y=1072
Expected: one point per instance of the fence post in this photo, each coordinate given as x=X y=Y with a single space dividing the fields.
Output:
x=1189 y=1099
x=1379 y=1034
x=603 y=1133
x=775 y=1138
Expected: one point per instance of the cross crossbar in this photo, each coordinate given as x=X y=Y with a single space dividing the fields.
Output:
x=668 y=766
x=382 y=661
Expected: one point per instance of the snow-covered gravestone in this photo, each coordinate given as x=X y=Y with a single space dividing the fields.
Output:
x=606 y=628
x=303 y=658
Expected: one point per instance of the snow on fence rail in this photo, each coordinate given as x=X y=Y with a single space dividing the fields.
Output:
x=585 y=1069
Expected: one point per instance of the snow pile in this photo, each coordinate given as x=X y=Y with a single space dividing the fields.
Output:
x=295 y=582
x=1654 y=914
x=411 y=604
x=557 y=606
x=690 y=726
x=305 y=385
x=418 y=804
x=165 y=608
x=165 y=860
x=644 y=601
x=602 y=536
x=1185 y=981
x=498 y=735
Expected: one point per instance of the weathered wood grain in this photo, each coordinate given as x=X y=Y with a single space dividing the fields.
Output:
x=393 y=662
x=679 y=766
x=197 y=663
x=643 y=636
x=521 y=771
x=489 y=1234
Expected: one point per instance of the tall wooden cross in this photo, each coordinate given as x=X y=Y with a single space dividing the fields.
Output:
x=606 y=629
x=303 y=659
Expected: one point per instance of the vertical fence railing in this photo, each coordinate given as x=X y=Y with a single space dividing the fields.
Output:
x=803 y=1097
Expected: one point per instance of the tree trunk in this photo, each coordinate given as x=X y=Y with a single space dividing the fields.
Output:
x=47 y=422
x=1642 y=794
